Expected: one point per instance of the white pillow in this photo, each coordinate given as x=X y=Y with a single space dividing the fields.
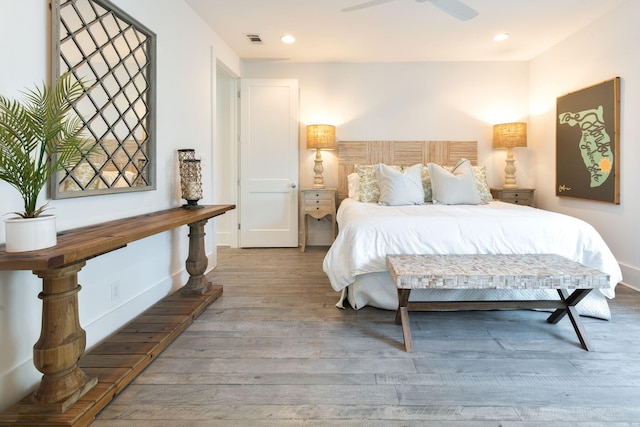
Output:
x=368 y=189
x=457 y=187
x=353 y=185
x=400 y=188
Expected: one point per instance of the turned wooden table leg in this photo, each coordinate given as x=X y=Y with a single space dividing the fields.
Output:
x=197 y=261
x=62 y=341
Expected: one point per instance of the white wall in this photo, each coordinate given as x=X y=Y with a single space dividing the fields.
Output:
x=147 y=270
x=406 y=101
x=605 y=49
x=19 y=306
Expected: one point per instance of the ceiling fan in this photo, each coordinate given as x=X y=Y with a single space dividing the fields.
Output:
x=455 y=8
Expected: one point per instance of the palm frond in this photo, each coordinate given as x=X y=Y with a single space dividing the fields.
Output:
x=39 y=137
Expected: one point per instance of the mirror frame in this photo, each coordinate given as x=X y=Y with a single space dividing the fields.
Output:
x=135 y=169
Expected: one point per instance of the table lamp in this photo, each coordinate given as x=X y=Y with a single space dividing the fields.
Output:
x=320 y=137
x=510 y=135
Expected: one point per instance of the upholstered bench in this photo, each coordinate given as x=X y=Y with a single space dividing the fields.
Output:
x=531 y=271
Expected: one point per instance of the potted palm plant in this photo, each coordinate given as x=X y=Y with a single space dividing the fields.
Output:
x=39 y=137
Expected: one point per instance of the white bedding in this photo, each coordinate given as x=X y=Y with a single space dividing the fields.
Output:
x=369 y=232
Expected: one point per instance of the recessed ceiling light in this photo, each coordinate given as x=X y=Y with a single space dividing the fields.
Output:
x=288 y=38
x=500 y=37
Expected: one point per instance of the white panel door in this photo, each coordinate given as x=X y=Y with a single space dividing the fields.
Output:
x=268 y=163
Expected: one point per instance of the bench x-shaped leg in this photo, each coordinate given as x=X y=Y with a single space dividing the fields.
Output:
x=402 y=318
x=571 y=300
x=568 y=302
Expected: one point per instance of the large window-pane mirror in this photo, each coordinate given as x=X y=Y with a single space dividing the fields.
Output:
x=114 y=55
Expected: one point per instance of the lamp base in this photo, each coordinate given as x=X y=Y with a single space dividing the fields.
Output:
x=510 y=171
x=192 y=204
x=318 y=180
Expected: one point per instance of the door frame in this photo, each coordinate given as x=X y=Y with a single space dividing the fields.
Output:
x=228 y=133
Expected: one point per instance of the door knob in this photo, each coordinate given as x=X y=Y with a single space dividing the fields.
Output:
x=293 y=185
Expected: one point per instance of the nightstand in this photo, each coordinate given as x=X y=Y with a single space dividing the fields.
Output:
x=517 y=196
x=318 y=203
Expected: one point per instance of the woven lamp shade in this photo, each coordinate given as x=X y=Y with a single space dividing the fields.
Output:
x=321 y=137
x=510 y=135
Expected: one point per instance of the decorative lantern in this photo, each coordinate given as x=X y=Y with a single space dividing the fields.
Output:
x=184 y=154
x=190 y=178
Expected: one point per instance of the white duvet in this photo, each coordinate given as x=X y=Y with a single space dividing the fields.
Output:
x=368 y=232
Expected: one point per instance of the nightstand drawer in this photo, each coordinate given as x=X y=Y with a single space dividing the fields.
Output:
x=318 y=195
x=318 y=205
x=522 y=198
x=517 y=196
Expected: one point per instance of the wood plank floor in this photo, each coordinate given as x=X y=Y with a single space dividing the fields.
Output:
x=274 y=351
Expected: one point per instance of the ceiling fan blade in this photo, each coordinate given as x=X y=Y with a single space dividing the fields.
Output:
x=364 y=5
x=455 y=8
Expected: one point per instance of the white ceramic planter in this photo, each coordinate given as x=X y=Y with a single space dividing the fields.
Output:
x=31 y=233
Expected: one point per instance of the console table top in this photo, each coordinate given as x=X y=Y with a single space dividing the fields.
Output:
x=83 y=243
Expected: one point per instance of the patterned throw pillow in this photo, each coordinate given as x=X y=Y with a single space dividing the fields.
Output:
x=480 y=173
x=369 y=189
x=83 y=173
x=426 y=185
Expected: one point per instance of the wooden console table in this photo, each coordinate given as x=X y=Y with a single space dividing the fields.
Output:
x=58 y=352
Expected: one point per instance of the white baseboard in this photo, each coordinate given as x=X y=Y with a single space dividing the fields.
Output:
x=17 y=383
x=630 y=276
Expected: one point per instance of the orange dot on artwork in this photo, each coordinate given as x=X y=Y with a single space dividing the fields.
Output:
x=605 y=165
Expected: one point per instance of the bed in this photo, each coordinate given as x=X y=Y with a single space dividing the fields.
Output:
x=368 y=231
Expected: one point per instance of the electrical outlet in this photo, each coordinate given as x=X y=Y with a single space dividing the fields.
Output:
x=115 y=290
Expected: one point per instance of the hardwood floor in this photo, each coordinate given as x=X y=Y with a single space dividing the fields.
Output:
x=274 y=350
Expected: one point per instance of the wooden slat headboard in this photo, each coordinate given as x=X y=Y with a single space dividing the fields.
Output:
x=445 y=153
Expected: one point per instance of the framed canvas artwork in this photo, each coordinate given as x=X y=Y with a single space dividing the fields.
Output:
x=588 y=143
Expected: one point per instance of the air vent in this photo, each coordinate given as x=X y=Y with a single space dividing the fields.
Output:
x=254 y=38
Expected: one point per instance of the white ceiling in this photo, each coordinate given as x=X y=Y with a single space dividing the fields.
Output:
x=396 y=31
